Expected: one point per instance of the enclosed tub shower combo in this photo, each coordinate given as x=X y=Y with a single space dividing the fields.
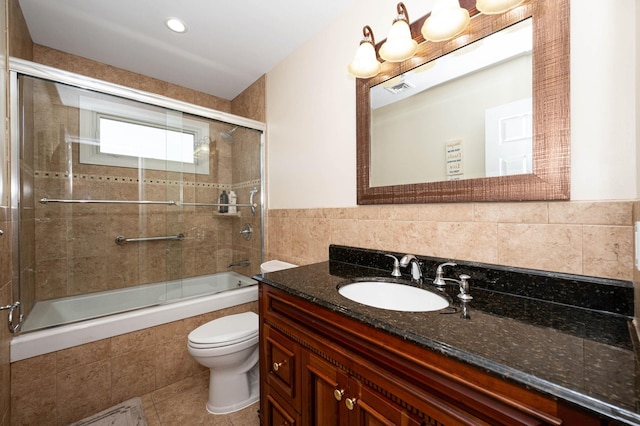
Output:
x=121 y=221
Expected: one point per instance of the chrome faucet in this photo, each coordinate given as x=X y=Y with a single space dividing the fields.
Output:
x=239 y=263
x=416 y=271
x=396 y=266
x=439 y=279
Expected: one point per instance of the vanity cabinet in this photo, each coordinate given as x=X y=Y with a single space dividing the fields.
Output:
x=321 y=368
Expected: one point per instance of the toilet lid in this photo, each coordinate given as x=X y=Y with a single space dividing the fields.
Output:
x=226 y=330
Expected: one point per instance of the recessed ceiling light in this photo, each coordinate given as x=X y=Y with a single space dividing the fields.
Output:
x=174 y=24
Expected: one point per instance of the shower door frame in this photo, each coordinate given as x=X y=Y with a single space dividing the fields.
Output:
x=19 y=66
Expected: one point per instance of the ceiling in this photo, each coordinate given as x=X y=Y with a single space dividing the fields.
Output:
x=228 y=44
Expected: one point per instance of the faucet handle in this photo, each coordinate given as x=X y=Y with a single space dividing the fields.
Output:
x=396 y=266
x=439 y=279
x=464 y=288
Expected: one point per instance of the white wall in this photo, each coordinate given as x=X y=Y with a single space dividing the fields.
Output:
x=311 y=153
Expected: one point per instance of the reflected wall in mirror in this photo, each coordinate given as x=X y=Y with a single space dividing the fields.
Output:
x=430 y=148
x=465 y=115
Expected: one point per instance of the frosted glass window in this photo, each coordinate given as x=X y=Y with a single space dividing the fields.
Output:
x=138 y=140
x=119 y=133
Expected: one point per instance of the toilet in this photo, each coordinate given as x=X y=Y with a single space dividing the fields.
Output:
x=275 y=265
x=228 y=346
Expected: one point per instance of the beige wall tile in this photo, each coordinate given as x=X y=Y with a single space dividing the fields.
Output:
x=591 y=212
x=375 y=234
x=608 y=251
x=476 y=242
x=415 y=237
x=536 y=212
x=547 y=247
x=511 y=234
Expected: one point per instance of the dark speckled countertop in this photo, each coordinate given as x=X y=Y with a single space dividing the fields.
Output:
x=524 y=326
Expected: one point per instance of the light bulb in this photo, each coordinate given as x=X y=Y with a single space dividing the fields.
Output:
x=446 y=21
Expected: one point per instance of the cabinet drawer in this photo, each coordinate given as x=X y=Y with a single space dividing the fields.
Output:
x=282 y=359
x=277 y=412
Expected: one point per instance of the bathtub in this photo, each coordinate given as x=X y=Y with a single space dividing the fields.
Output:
x=62 y=323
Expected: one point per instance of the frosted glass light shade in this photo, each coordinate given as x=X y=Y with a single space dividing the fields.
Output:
x=494 y=7
x=365 y=64
x=399 y=45
x=446 y=21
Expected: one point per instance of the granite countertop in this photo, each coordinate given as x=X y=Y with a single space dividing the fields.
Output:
x=582 y=356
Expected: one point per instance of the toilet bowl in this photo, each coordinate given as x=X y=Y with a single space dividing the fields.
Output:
x=228 y=346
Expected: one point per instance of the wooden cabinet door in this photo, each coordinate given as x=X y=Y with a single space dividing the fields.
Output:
x=323 y=387
x=277 y=412
x=367 y=408
x=281 y=356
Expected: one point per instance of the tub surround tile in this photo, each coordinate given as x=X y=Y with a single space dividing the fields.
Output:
x=125 y=343
x=574 y=330
x=34 y=402
x=133 y=374
x=68 y=385
x=33 y=368
x=77 y=356
x=83 y=391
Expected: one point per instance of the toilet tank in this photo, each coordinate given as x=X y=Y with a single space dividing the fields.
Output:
x=275 y=265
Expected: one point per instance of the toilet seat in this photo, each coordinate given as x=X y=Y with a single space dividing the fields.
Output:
x=225 y=331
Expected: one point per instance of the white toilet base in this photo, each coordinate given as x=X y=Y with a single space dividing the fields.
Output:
x=231 y=393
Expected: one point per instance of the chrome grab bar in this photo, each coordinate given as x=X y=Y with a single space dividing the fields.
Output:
x=52 y=200
x=216 y=204
x=122 y=240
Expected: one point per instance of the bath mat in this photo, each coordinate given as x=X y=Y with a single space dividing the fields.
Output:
x=128 y=413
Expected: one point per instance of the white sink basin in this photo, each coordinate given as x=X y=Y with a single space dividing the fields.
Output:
x=393 y=296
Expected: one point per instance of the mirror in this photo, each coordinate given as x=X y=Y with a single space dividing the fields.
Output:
x=419 y=112
x=421 y=163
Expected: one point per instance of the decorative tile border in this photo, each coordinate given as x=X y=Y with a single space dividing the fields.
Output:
x=149 y=181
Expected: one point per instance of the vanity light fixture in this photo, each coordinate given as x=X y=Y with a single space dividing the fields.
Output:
x=446 y=21
x=494 y=7
x=365 y=63
x=399 y=45
x=176 y=25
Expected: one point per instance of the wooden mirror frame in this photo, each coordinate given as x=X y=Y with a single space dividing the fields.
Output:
x=550 y=179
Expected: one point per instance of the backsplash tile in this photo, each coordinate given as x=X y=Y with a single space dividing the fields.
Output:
x=587 y=238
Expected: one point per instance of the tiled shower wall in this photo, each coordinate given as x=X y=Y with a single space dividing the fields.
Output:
x=588 y=238
x=75 y=247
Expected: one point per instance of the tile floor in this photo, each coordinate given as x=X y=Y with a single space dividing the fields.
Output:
x=184 y=404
